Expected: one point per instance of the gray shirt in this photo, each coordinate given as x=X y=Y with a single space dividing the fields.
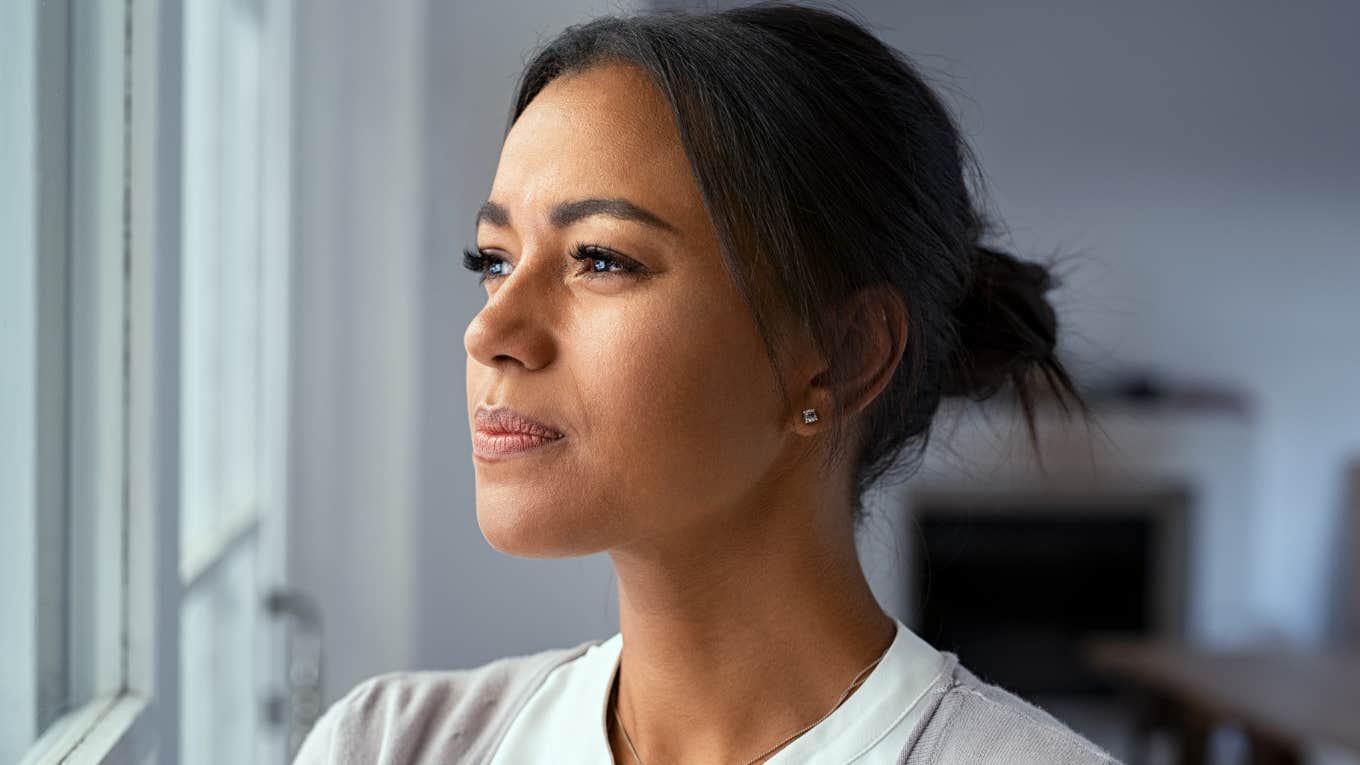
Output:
x=461 y=716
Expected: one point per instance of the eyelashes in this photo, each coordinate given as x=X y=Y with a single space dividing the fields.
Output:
x=481 y=263
x=485 y=264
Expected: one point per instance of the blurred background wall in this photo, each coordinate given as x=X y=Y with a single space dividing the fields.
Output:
x=1199 y=159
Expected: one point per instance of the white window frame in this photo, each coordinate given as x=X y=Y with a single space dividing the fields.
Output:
x=134 y=716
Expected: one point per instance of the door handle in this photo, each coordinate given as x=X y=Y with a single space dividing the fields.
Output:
x=303 y=705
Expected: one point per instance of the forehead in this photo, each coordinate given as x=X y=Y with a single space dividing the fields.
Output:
x=606 y=131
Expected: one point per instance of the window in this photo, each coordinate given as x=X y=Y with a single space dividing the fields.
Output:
x=63 y=549
x=143 y=400
x=232 y=382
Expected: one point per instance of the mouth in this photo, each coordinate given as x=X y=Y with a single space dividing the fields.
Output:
x=498 y=446
x=502 y=433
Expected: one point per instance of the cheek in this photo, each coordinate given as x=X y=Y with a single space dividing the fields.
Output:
x=674 y=415
x=680 y=399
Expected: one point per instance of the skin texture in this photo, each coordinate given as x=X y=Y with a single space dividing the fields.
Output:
x=743 y=607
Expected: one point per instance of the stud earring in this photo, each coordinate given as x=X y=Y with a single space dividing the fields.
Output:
x=809 y=416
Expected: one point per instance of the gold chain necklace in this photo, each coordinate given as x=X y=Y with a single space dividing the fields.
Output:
x=853 y=685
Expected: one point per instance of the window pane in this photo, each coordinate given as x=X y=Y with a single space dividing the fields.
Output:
x=20 y=414
x=224 y=499
x=97 y=414
x=218 y=639
x=62 y=386
x=221 y=270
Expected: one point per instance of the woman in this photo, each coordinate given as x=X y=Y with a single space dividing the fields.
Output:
x=731 y=268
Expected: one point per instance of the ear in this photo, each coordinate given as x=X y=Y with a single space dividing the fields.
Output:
x=870 y=338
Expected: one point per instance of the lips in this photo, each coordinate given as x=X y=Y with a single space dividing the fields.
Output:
x=501 y=432
x=503 y=420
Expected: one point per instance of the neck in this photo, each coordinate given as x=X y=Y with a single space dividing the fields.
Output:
x=741 y=634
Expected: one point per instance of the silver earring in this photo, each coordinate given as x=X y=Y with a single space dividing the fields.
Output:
x=809 y=416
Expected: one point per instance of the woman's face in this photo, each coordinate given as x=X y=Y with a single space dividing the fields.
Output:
x=657 y=379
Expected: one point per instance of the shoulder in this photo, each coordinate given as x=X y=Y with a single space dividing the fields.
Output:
x=972 y=721
x=430 y=716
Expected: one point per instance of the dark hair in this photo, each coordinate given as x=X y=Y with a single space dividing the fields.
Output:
x=828 y=166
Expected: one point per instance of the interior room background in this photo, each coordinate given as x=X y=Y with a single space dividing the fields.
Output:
x=1198 y=162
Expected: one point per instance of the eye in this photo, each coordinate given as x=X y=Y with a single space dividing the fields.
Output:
x=598 y=261
x=484 y=263
x=602 y=260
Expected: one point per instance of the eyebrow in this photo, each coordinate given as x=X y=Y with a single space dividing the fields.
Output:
x=567 y=213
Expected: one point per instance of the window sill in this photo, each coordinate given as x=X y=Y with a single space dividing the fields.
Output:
x=90 y=734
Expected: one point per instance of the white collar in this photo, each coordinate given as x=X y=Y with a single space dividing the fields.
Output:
x=866 y=719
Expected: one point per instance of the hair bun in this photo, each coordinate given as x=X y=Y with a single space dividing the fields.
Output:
x=1005 y=326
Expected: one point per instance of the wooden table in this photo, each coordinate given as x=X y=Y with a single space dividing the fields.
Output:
x=1284 y=700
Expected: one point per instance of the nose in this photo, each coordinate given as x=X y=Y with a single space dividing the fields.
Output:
x=515 y=324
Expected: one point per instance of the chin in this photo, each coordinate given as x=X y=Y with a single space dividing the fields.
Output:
x=531 y=530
